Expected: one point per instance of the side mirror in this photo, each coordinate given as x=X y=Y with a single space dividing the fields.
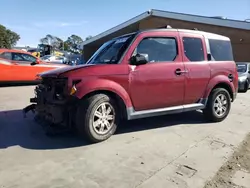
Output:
x=139 y=59
x=35 y=62
x=249 y=71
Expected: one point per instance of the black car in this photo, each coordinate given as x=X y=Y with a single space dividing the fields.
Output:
x=244 y=75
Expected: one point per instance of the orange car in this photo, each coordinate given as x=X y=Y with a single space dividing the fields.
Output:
x=17 y=66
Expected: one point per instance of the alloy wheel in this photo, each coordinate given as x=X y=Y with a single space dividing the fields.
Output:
x=220 y=105
x=103 y=118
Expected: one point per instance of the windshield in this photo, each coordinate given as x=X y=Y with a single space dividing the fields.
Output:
x=111 y=51
x=241 y=68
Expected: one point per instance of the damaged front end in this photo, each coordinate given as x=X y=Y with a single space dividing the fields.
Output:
x=53 y=102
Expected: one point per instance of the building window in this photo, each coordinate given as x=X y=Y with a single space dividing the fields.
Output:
x=158 y=49
x=193 y=49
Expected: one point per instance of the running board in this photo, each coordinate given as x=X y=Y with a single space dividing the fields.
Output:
x=132 y=114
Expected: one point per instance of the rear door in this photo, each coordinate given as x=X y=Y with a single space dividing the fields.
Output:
x=155 y=84
x=196 y=65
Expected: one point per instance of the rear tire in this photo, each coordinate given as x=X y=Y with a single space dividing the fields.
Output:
x=218 y=105
x=97 y=118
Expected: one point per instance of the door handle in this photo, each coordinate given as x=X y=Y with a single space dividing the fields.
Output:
x=179 y=71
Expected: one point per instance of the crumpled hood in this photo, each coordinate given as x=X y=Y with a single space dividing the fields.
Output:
x=57 y=72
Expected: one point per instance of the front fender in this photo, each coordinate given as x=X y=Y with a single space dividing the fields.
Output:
x=88 y=86
x=219 y=79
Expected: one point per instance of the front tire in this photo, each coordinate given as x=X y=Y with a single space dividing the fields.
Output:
x=97 y=118
x=218 y=105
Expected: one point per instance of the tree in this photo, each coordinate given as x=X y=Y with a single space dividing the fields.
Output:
x=88 y=37
x=8 y=38
x=54 y=41
x=58 y=43
x=48 y=39
x=66 y=46
x=73 y=42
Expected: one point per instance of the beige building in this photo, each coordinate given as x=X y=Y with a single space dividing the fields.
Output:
x=237 y=31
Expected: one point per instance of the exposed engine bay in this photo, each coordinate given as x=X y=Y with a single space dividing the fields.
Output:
x=52 y=103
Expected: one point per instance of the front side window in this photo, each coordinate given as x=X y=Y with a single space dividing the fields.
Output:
x=29 y=58
x=5 y=55
x=158 y=49
x=23 y=58
x=111 y=51
x=221 y=50
x=193 y=49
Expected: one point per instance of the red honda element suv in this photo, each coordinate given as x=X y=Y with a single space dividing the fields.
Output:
x=142 y=74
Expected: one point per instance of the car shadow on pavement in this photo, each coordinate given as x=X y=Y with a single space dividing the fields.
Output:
x=15 y=130
x=194 y=117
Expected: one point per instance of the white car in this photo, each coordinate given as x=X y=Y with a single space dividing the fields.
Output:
x=54 y=59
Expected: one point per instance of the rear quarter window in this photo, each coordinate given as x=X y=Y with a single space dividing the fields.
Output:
x=221 y=50
x=6 y=55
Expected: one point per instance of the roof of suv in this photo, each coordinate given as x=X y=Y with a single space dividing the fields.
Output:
x=205 y=34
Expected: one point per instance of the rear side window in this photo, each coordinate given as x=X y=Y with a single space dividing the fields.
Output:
x=5 y=55
x=193 y=49
x=221 y=50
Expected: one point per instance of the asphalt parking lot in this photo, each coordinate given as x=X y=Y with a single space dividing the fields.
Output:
x=172 y=151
